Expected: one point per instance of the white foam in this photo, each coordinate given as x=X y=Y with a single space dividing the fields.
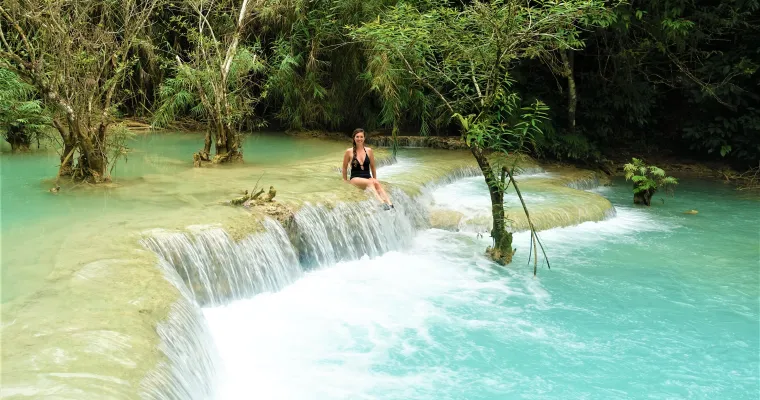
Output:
x=401 y=166
x=398 y=326
x=621 y=228
x=469 y=196
x=331 y=334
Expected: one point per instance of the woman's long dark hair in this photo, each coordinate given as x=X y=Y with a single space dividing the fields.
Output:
x=354 y=161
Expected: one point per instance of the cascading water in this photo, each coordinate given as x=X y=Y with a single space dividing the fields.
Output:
x=436 y=320
x=350 y=230
x=217 y=269
x=192 y=365
x=395 y=310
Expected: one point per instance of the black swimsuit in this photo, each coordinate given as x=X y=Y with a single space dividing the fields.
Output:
x=357 y=171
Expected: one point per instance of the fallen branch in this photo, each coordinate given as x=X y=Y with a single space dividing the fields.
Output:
x=254 y=196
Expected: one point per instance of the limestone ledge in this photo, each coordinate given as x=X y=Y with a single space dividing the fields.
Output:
x=569 y=203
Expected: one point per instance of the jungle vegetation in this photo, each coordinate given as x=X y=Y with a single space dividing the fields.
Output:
x=574 y=80
x=678 y=76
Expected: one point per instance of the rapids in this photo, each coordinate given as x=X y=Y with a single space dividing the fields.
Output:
x=649 y=303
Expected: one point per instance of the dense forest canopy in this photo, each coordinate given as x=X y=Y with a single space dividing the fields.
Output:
x=680 y=76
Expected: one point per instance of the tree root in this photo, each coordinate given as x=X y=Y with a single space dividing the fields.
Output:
x=230 y=157
x=748 y=180
x=199 y=158
x=502 y=252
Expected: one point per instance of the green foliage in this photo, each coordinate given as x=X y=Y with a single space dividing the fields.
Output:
x=677 y=73
x=22 y=116
x=316 y=79
x=216 y=82
x=647 y=177
x=506 y=127
x=463 y=57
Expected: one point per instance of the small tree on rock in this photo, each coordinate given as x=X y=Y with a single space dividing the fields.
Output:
x=647 y=180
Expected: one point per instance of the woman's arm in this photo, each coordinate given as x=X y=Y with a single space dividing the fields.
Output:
x=372 y=162
x=346 y=157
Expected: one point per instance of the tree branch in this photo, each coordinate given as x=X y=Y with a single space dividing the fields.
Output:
x=20 y=31
x=424 y=81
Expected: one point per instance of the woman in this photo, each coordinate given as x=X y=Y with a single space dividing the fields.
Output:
x=362 y=161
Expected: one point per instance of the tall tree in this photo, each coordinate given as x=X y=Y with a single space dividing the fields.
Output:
x=214 y=80
x=463 y=56
x=75 y=54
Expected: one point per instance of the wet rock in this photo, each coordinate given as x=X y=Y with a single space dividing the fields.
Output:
x=446 y=219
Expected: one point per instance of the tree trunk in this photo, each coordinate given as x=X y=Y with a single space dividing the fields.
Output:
x=226 y=145
x=644 y=197
x=67 y=155
x=502 y=251
x=394 y=136
x=206 y=146
x=233 y=145
x=93 y=163
x=67 y=159
x=572 y=102
x=220 y=144
x=221 y=139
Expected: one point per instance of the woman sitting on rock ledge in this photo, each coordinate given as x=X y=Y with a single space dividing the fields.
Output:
x=362 y=160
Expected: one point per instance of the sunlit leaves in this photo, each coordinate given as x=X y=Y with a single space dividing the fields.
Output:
x=462 y=56
x=647 y=177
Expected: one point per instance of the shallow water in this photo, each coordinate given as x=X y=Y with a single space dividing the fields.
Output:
x=153 y=187
x=651 y=303
x=26 y=178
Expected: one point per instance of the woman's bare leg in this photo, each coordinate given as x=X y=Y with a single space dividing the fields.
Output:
x=379 y=189
x=364 y=183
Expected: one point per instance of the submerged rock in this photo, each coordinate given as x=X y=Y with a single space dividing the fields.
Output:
x=446 y=219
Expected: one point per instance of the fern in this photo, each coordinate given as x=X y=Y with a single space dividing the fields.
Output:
x=23 y=118
x=647 y=177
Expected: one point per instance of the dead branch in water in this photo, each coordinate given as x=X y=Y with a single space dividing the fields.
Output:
x=747 y=180
x=750 y=179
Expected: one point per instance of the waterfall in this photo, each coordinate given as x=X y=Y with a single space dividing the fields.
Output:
x=217 y=269
x=587 y=183
x=211 y=268
x=350 y=230
x=191 y=366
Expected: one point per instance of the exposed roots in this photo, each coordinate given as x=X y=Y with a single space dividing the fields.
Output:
x=230 y=157
x=502 y=252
